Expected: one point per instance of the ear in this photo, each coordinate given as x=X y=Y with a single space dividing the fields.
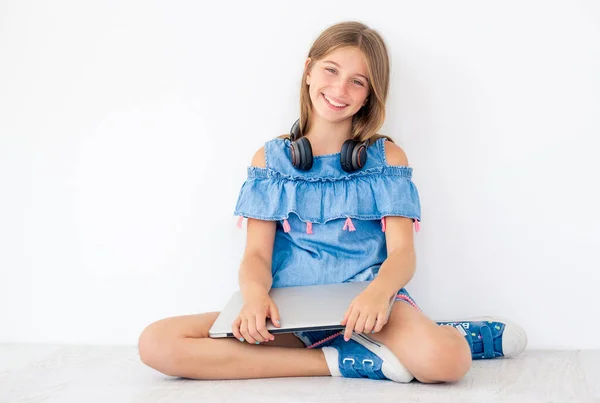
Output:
x=306 y=63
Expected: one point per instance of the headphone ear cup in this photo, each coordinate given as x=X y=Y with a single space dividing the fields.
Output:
x=304 y=159
x=346 y=155
x=359 y=156
x=295 y=154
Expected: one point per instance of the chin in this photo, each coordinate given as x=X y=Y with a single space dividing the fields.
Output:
x=331 y=119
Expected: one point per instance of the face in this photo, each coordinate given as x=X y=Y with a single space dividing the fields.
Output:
x=338 y=84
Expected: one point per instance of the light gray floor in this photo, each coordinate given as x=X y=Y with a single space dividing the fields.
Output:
x=87 y=374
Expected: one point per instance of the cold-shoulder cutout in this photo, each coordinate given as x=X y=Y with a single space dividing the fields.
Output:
x=394 y=154
x=259 y=159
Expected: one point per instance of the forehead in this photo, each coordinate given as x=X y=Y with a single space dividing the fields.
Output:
x=349 y=58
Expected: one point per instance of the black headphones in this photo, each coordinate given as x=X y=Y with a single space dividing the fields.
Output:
x=353 y=155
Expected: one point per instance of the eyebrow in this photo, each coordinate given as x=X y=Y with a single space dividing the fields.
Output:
x=334 y=63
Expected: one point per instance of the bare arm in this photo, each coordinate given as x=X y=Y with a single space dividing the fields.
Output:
x=256 y=278
x=399 y=267
x=255 y=275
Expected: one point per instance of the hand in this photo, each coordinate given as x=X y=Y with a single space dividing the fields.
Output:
x=251 y=325
x=367 y=313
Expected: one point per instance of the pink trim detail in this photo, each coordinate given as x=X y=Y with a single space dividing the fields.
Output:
x=348 y=225
x=383 y=225
x=409 y=300
x=333 y=336
x=417 y=225
x=286 y=226
x=240 y=220
x=309 y=228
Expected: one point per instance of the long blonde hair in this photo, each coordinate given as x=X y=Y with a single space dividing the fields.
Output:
x=371 y=117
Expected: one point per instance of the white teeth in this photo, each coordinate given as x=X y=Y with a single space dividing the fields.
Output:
x=333 y=103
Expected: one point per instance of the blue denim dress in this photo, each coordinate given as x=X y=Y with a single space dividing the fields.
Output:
x=330 y=223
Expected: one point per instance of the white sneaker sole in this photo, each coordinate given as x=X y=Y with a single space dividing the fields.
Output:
x=514 y=338
x=392 y=368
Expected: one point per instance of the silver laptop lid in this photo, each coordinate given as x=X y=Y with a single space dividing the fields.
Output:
x=303 y=308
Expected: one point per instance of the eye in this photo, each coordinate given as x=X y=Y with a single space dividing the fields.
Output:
x=331 y=70
x=359 y=83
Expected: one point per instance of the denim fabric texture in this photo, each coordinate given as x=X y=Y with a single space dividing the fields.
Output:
x=329 y=221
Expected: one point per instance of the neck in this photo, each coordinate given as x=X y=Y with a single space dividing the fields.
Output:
x=327 y=137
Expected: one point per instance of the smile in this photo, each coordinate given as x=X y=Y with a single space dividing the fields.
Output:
x=334 y=104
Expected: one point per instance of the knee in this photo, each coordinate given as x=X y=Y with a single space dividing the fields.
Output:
x=157 y=349
x=446 y=358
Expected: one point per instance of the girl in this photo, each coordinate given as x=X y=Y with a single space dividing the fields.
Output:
x=333 y=202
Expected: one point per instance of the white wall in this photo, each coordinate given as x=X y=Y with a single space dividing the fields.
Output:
x=126 y=128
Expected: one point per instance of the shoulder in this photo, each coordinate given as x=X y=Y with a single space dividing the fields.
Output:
x=259 y=160
x=394 y=154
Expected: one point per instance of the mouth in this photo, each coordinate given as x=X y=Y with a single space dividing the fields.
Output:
x=334 y=104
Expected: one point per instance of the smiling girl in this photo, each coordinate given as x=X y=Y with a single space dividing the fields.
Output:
x=332 y=202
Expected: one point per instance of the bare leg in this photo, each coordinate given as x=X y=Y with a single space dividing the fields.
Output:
x=432 y=353
x=180 y=346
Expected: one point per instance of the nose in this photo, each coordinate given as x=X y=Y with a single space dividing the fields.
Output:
x=341 y=85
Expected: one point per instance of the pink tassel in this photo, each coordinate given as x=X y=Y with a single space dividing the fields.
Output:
x=383 y=224
x=286 y=226
x=309 y=228
x=348 y=225
x=239 y=223
x=417 y=226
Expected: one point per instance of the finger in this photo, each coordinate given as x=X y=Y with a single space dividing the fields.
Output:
x=351 y=323
x=360 y=322
x=261 y=328
x=245 y=332
x=235 y=327
x=346 y=316
x=381 y=321
x=274 y=314
x=369 y=324
x=253 y=332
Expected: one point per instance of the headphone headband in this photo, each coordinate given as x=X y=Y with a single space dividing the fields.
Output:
x=295 y=130
x=353 y=154
x=295 y=133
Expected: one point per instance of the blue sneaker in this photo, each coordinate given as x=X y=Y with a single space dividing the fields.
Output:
x=491 y=337
x=362 y=357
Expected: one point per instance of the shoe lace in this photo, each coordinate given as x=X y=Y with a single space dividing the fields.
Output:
x=361 y=369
